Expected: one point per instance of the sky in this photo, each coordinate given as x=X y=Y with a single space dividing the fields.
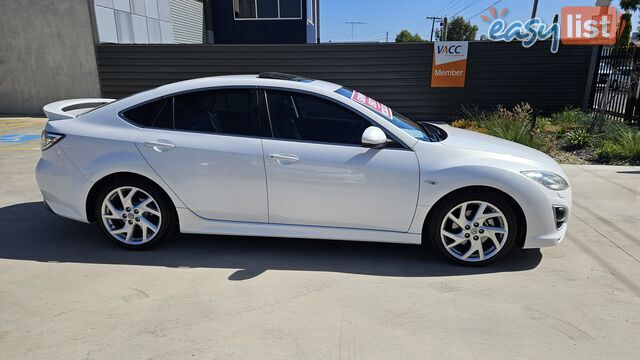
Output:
x=382 y=16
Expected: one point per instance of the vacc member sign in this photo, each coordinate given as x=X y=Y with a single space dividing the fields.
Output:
x=449 y=63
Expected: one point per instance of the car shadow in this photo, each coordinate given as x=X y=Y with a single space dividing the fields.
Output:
x=30 y=232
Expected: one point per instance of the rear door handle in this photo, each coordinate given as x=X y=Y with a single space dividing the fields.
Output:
x=284 y=158
x=160 y=145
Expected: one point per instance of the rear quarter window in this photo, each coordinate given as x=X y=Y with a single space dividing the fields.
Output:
x=145 y=114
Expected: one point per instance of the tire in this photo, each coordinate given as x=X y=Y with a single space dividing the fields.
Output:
x=461 y=240
x=138 y=220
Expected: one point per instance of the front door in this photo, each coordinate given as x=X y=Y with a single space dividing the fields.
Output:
x=318 y=174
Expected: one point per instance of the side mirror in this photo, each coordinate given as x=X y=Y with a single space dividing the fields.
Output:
x=374 y=137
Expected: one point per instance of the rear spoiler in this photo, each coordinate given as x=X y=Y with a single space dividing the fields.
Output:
x=69 y=109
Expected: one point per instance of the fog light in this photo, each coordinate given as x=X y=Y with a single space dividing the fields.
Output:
x=560 y=215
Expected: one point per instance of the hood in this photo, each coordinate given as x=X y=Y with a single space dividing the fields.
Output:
x=471 y=140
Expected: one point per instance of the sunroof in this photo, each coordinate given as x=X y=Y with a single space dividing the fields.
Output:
x=283 y=76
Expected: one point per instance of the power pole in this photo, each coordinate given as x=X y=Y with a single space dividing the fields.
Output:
x=387 y=37
x=445 y=24
x=433 y=23
x=535 y=9
x=353 y=25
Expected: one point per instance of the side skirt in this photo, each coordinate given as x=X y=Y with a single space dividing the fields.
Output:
x=190 y=223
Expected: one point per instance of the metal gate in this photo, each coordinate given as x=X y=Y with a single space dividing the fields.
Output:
x=615 y=85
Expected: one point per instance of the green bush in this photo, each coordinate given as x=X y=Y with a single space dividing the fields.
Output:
x=570 y=119
x=625 y=146
x=578 y=138
x=514 y=125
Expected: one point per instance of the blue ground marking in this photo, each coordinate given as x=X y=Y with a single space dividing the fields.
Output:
x=17 y=138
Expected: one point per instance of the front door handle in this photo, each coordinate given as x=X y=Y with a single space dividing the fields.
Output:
x=160 y=145
x=284 y=158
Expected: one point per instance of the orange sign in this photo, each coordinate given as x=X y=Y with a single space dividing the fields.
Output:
x=593 y=25
x=449 y=63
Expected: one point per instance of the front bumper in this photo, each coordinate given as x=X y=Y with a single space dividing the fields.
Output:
x=542 y=226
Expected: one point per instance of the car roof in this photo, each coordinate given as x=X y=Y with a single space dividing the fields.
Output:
x=263 y=79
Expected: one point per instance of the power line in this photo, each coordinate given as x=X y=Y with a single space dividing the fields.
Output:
x=485 y=9
x=448 y=8
x=480 y=13
x=473 y=3
x=462 y=5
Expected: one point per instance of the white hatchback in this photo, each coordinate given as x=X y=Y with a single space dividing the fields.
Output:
x=286 y=156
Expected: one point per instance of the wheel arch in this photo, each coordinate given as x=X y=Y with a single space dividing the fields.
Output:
x=98 y=185
x=522 y=220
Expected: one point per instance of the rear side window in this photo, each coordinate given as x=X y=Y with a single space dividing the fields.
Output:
x=228 y=111
x=217 y=111
x=145 y=114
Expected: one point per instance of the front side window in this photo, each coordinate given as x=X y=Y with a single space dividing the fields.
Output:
x=304 y=117
x=267 y=9
x=420 y=131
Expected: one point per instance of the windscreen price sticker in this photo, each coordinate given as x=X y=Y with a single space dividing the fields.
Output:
x=372 y=104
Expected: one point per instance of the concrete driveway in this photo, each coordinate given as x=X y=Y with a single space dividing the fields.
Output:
x=66 y=293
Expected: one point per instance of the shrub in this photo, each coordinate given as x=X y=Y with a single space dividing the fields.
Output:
x=465 y=124
x=469 y=125
x=569 y=119
x=515 y=125
x=578 y=138
x=625 y=146
x=474 y=113
x=608 y=152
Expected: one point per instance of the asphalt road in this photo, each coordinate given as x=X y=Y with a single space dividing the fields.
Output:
x=67 y=293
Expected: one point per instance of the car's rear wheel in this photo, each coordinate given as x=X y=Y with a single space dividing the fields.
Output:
x=133 y=214
x=472 y=228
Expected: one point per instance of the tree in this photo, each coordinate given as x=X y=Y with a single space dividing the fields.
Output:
x=623 y=38
x=459 y=30
x=630 y=5
x=405 y=36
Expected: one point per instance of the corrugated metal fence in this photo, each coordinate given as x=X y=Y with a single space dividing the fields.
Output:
x=397 y=74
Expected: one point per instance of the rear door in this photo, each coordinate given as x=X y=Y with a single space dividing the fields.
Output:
x=319 y=174
x=206 y=146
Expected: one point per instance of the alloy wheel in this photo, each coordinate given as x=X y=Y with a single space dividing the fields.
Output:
x=474 y=231
x=131 y=215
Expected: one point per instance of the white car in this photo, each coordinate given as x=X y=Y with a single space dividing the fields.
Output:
x=285 y=156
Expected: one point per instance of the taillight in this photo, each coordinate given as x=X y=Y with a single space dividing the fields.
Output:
x=48 y=139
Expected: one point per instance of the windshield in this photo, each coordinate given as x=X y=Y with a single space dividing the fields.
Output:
x=419 y=130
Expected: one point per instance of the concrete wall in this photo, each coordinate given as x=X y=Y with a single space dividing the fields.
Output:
x=46 y=54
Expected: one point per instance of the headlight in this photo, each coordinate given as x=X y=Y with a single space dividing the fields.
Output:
x=48 y=139
x=548 y=179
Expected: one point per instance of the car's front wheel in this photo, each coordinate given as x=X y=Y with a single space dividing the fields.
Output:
x=133 y=214
x=473 y=228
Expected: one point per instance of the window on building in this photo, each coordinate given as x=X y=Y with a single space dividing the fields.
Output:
x=309 y=118
x=267 y=9
x=290 y=8
x=244 y=9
